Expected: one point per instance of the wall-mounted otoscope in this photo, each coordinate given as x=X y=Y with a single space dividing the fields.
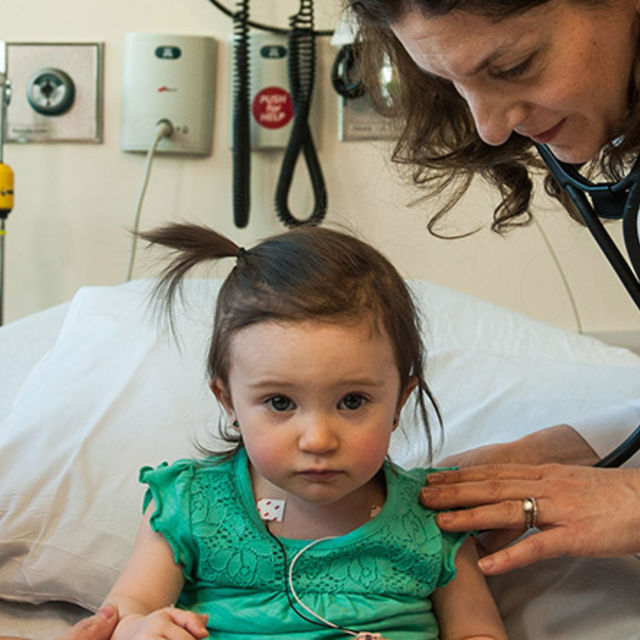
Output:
x=6 y=174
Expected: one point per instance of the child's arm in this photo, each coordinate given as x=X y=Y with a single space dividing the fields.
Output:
x=465 y=607
x=146 y=590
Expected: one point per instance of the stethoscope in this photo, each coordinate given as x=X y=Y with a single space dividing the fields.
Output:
x=611 y=201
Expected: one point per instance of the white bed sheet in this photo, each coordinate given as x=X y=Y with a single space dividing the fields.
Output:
x=581 y=599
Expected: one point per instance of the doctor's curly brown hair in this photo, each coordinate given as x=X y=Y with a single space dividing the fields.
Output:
x=438 y=140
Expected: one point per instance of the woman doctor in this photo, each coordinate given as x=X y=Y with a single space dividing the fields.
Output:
x=480 y=82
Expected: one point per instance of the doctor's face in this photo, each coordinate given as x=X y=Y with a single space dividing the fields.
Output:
x=558 y=74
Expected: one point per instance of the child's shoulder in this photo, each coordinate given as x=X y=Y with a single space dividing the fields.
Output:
x=187 y=468
x=406 y=483
x=414 y=475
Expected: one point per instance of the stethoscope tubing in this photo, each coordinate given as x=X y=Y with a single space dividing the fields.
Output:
x=630 y=225
x=605 y=242
x=577 y=188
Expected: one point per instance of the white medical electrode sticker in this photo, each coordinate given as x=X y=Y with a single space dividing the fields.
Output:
x=270 y=509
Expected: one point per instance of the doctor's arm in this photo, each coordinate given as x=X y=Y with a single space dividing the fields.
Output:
x=560 y=443
x=589 y=438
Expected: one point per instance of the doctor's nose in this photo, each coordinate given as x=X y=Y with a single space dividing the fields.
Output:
x=496 y=116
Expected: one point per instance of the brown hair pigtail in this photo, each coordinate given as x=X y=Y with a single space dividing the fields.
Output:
x=190 y=245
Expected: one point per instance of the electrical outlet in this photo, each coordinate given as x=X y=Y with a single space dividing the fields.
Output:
x=56 y=92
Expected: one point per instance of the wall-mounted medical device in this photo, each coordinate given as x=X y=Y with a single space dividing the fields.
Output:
x=168 y=77
x=56 y=92
x=51 y=91
x=270 y=102
x=274 y=107
x=358 y=118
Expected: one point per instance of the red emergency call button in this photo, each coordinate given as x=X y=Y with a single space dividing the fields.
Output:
x=272 y=107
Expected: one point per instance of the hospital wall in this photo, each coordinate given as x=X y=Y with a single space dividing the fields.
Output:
x=75 y=203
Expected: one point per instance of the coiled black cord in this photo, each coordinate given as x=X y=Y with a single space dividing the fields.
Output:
x=266 y=27
x=302 y=62
x=241 y=131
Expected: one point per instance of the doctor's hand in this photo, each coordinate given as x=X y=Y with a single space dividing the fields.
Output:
x=560 y=443
x=97 y=627
x=580 y=511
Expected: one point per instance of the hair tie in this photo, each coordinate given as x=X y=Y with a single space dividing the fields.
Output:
x=240 y=253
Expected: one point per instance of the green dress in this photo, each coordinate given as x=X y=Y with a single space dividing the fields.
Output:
x=376 y=578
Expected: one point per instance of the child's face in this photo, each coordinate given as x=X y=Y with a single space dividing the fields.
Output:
x=316 y=404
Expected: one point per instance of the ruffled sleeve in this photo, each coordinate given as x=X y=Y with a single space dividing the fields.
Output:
x=170 y=489
x=451 y=543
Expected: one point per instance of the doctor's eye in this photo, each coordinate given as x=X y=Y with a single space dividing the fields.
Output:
x=352 y=402
x=516 y=71
x=280 y=403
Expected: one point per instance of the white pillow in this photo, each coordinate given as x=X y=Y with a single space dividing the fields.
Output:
x=116 y=393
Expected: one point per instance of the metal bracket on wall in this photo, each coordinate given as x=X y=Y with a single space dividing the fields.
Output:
x=56 y=92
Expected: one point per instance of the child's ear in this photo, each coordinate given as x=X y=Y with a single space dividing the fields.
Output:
x=220 y=391
x=404 y=396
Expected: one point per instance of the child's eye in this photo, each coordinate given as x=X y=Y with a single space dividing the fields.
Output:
x=352 y=401
x=280 y=403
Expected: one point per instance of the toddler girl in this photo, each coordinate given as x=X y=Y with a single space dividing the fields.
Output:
x=302 y=528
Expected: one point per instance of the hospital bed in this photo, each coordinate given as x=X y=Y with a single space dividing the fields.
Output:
x=96 y=388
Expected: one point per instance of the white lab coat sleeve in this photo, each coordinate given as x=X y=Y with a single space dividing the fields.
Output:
x=606 y=428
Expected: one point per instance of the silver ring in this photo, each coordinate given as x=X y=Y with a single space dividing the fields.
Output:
x=530 y=508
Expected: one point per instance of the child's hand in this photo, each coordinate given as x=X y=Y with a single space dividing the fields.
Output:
x=168 y=623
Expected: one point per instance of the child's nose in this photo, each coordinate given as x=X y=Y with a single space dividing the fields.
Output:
x=318 y=436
